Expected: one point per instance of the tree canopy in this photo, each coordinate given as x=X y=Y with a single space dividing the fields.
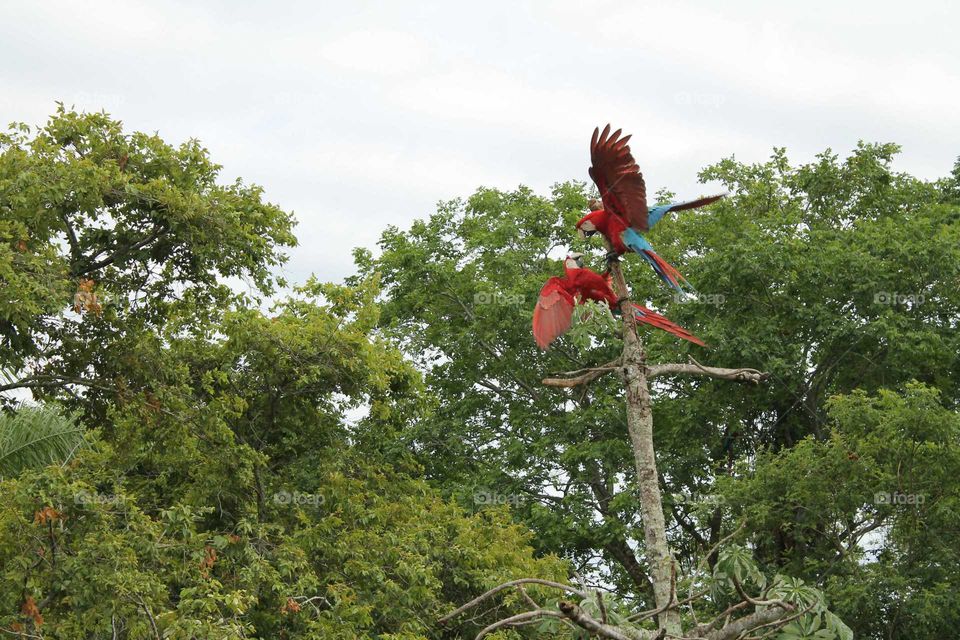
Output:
x=359 y=459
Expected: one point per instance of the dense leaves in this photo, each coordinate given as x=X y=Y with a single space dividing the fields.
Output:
x=836 y=277
x=357 y=460
x=37 y=436
x=129 y=230
x=240 y=474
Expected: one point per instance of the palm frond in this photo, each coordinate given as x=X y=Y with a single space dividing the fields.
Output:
x=32 y=437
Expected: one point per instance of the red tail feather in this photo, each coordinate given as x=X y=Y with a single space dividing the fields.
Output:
x=668 y=270
x=646 y=316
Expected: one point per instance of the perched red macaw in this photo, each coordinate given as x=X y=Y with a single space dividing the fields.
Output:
x=623 y=213
x=554 y=311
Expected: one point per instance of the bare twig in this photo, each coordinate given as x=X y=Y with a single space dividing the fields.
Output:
x=526 y=597
x=644 y=615
x=602 y=607
x=508 y=585
x=755 y=620
x=576 y=614
x=754 y=601
x=581 y=376
x=694 y=368
x=519 y=619
x=707 y=626
x=785 y=621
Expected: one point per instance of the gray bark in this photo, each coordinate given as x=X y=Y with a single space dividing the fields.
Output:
x=640 y=427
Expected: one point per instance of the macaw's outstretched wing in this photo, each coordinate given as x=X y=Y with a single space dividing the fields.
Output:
x=553 y=314
x=618 y=177
x=655 y=213
x=646 y=316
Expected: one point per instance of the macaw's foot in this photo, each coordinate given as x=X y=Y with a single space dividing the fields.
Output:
x=622 y=299
x=612 y=257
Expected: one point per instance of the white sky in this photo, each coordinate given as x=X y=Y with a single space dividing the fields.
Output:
x=355 y=115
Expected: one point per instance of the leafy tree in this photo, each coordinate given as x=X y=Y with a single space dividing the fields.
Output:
x=223 y=492
x=128 y=229
x=833 y=277
x=882 y=492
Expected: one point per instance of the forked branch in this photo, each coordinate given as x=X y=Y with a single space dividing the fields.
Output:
x=582 y=376
x=694 y=368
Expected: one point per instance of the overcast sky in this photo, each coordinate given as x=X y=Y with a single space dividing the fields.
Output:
x=355 y=115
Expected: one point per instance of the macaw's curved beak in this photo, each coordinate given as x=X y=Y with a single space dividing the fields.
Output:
x=580 y=261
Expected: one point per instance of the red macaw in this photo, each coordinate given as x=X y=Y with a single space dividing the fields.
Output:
x=624 y=214
x=554 y=311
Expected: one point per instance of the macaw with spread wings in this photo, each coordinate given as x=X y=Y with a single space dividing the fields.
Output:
x=623 y=214
x=554 y=311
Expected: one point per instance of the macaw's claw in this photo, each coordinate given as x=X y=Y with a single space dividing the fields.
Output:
x=611 y=257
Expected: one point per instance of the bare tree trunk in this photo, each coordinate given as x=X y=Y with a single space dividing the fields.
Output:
x=640 y=428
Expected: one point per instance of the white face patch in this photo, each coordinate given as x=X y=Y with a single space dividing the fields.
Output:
x=587 y=226
x=571 y=261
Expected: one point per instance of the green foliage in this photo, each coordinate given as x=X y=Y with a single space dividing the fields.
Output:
x=377 y=553
x=244 y=475
x=232 y=473
x=142 y=223
x=36 y=436
x=873 y=509
x=836 y=277
x=736 y=563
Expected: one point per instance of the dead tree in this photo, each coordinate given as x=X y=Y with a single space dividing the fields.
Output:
x=752 y=613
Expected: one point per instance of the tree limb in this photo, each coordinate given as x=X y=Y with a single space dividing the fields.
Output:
x=746 y=623
x=640 y=430
x=694 y=368
x=519 y=619
x=158 y=231
x=584 y=621
x=41 y=381
x=581 y=376
x=508 y=585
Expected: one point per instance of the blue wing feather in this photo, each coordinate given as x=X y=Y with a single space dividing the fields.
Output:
x=655 y=213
